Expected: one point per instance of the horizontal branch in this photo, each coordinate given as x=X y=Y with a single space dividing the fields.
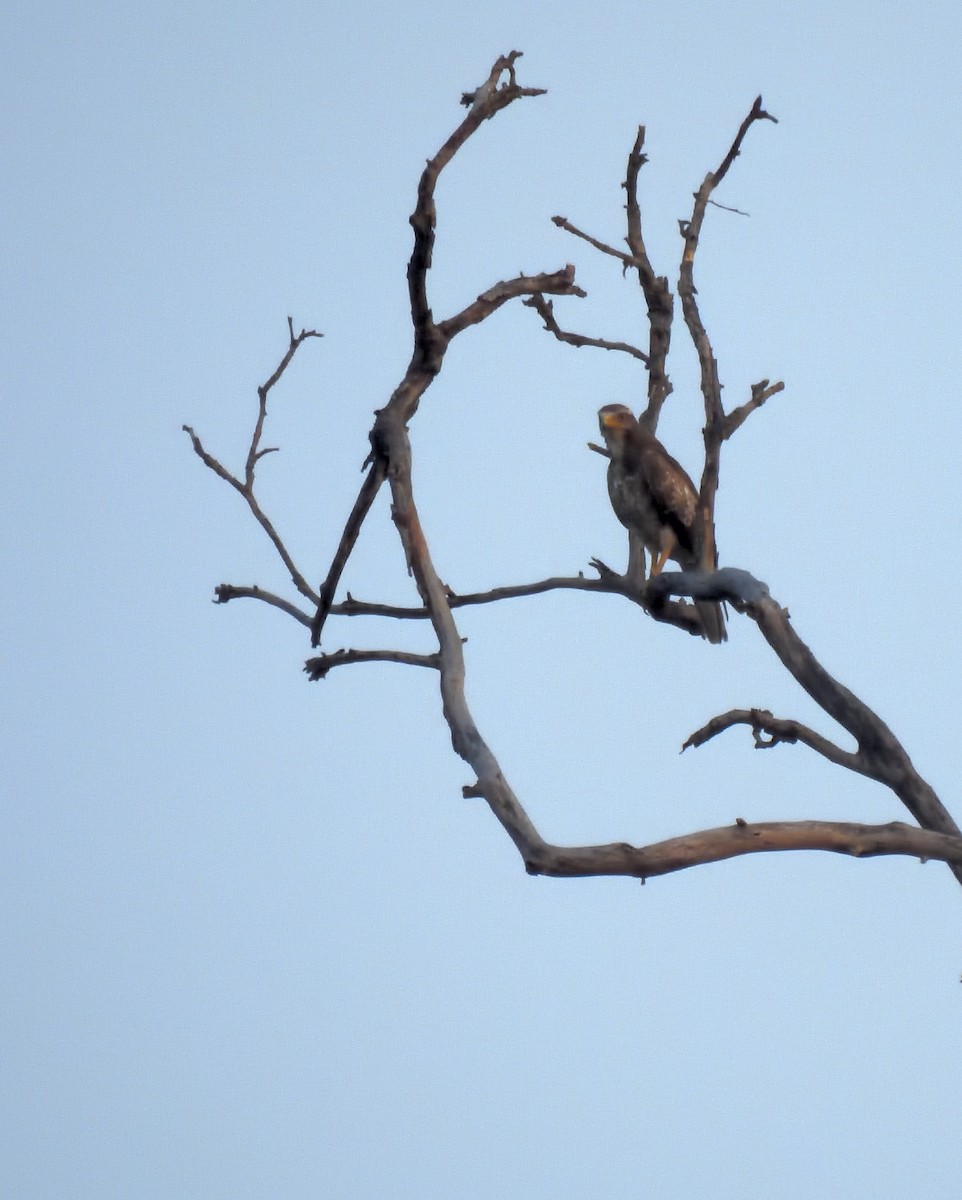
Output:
x=363 y=608
x=716 y=845
x=728 y=584
x=318 y=667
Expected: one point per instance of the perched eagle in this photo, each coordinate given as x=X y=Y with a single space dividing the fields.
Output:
x=653 y=496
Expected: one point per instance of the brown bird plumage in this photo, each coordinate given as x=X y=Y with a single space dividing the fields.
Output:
x=653 y=496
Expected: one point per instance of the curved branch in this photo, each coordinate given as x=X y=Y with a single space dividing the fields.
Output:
x=770 y=731
x=559 y=283
x=228 y=591
x=881 y=755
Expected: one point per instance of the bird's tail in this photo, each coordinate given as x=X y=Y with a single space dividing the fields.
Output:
x=712 y=615
x=712 y=612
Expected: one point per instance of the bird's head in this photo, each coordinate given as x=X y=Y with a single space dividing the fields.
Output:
x=616 y=423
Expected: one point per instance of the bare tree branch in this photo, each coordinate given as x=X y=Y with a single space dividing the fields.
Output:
x=770 y=731
x=757 y=114
x=560 y=283
x=431 y=340
x=761 y=392
x=465 y=736
x=653 y=600
x=879 y=756
x=228 y=591
x=317 y=668
x=362 y=506
x=657 y=293
x=254 y=453
x=715 y=845
x=545 y=310
x=627 y=260
x=710 y=383
x=882 y=755
x=488 y=100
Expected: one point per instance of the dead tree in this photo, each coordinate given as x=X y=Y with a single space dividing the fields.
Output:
x=878 y=754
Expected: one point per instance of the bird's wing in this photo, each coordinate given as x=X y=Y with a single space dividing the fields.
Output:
x=672 y=492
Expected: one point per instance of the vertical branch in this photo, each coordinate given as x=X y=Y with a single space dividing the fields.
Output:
x=655 y=287
x=710 y=384
x=430 y=342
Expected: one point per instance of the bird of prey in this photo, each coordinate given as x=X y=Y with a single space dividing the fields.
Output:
x=653 y=497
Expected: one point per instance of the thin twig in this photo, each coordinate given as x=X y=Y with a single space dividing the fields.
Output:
x=627 y=260
x=545 y=310
x=761 y=392
x=246 y=489
x=254 y=453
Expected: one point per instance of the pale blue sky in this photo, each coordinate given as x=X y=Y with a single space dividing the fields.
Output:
x=255 y=944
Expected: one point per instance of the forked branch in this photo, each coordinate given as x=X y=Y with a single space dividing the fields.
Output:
x=255 y=453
